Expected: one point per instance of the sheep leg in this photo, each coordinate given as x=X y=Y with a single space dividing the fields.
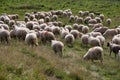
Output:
x=110 y=52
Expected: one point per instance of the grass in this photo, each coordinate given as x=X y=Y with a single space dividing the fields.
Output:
x=20 y=62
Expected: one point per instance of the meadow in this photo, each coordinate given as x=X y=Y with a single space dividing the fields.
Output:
x=18 y=61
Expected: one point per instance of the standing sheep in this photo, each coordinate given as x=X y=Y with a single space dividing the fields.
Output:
x=57 y=47
x=69 y=39
x=31 y=39
x=94 y=53
x=113 y=48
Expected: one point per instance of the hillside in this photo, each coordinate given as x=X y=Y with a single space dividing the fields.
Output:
x=18 y=61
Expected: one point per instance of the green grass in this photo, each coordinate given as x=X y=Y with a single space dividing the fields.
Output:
x=20 y=62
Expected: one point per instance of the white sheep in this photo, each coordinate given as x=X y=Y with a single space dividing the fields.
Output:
x=84 y=39
x=69 y=39
x=102 y=40
x=57 y=47
x=108 y=22
x=75 y=33
x=94 y=53
x=31 y=39
x=85 y=29
x=93 y=41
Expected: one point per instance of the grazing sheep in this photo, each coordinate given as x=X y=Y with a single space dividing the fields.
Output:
x=4 y=36
x=94 y=53
x=79 y=20
x=101 y=29
x=116 y=39
x=102 y=40
x=41 y=21
x=31 y=39
x=75 y=33
x=98 y=25
x=46 y=36
x=93 y=41
x=69 y=39
x=69 y=27
x=56 y=30
x=64 y=32
x=57 y=47
x=92 y=15
x=102 y=17
x=113 y=48
x=29 y=25
x=110 y=33
x=84 y=39
x=54 y=18
x=72 y=18
x=87 y=19
x=75 y=26
x=92 y=21
x=108 y=22
x=98 y=19
x=85 y=29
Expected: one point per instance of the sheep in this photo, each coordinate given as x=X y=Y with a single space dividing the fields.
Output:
x=4 y=36
x=93 y=41
x=20 y=32
x=69 y=27
x=92 y=15
x=87 y=19
x=97 y=25
x=95 y=34
x=54 y=18
x=64 y=32
x=84 y=39
x=75 y=26
x=85 y=29
x=71 y=18
x=108 y=22
x=92 y=21
x=101 y=29
x=94 y=53
x=75 y=33
x=57 y=47
x=31 y=39
x=29 y=25
x=46 y=36
x=102 y=40
x=56 y=30
x=79 y=20
x=116 y=39
x=69 y=39
x=98 y=19
x=110 y=33
x=5 y=26
x=41 y=21
x=113 y=48
x=102 y=17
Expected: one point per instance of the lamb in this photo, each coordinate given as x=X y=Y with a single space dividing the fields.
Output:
x=31 y=39
x=57 y=47
x=94 y=53
x=113 y=48
x=69 y=39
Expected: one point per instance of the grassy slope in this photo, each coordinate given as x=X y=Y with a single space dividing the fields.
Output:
x=20 y=62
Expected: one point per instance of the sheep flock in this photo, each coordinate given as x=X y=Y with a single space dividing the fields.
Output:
x=45 y=28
